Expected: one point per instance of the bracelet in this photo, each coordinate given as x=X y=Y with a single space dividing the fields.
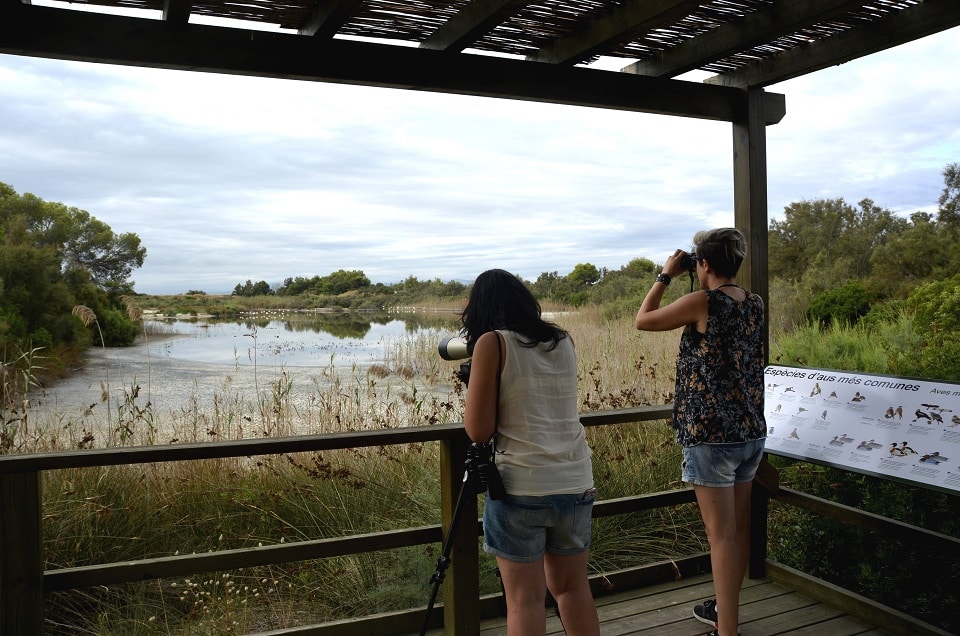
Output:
x=663 y=278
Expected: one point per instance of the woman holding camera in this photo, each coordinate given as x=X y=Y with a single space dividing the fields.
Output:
x=540 y=532
x=718 y=404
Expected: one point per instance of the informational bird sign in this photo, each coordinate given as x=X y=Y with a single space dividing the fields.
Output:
x=902 y=429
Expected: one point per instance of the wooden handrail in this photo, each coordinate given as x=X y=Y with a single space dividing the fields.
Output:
x=889 y=528
x=23 y=581
x=38 y=462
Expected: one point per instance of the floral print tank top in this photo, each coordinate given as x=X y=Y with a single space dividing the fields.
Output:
x=719 y=389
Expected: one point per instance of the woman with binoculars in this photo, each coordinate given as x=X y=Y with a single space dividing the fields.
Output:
x=718 y=404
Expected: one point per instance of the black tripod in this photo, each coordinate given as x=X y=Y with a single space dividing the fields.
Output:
x=444 y=561
x=479 y=476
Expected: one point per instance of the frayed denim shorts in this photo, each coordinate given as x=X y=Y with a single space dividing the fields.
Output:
x=721 y=465
x=522 y=528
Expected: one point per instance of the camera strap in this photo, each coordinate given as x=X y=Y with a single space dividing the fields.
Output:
x=496 y=417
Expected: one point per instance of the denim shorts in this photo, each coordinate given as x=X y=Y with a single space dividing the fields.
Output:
x=720 y=465
x=522 y=529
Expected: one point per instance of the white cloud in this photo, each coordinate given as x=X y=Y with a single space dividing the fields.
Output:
x=232 y=178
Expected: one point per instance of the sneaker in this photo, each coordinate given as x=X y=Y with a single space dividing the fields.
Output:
x=706 y=613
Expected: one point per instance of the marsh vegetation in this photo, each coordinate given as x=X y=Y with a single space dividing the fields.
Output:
x=125 y=513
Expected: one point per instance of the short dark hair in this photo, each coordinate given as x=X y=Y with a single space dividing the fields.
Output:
x=724 y=248
x=500 y=300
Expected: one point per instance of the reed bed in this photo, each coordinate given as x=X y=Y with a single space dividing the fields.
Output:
x=133 y=512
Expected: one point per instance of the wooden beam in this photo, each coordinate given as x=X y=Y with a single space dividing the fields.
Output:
x=65 y=34
x=471 y=23
x=327 y=17
x=179 y=565
x=750 y=199
x=621 y=25
x=898 y=27
x=935 y=542
x=754 y=29
x=177 y=11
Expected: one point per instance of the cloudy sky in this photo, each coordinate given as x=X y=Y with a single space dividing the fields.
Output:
x=227 y=179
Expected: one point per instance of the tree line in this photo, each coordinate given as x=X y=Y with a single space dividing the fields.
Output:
x=829 y=261
x=54 y=259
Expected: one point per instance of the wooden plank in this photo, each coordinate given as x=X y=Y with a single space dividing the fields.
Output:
x=756 y=28
x=649 y=575
x=280 y=445
x=622 y=416
x=622 y=24
x=664 y=609
x=472 y=22
x=899 y=27
x=840 y=626
x=232 y=448
x=328 y=17
x=64 y=34
x=861 y=607
x=651 y=501
x=226 y=560
x=935 y=542
x=788 y=612
x=177 y=11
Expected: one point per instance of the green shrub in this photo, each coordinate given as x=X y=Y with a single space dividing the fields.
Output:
x=937 y=306
x=841 y=305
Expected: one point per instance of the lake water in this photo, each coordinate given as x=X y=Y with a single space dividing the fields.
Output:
x=198 y=360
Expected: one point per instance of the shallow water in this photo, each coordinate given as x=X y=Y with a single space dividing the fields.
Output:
x=200 y=366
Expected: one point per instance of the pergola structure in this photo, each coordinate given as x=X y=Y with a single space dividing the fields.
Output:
x=541 y=50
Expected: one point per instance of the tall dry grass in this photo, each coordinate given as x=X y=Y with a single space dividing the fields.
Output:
x=134 y=512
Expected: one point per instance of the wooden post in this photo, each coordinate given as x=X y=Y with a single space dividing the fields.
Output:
x=750 y=216
x=750 y=198
x=21 y=560
x=461 y=587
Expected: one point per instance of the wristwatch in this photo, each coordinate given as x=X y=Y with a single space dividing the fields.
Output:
x=663 y=278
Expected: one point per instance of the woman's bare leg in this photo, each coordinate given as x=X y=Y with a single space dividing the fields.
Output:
x=726 y=516
x=567 y=581
x=526 y=592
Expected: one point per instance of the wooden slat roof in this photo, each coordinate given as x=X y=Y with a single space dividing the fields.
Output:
x=540 y=50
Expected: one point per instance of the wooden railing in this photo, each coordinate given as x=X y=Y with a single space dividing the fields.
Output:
x=892 y=620
x=24 y=582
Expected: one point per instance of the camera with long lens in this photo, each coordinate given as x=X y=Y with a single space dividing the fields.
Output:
x=689 y=263
x=456 y=348
x=482 y=471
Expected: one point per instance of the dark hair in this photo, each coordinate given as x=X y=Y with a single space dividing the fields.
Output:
x=724 y=248
x=500 y=300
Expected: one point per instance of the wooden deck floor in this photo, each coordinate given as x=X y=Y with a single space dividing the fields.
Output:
x=767 y=609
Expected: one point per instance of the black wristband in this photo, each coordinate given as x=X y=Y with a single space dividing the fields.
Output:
x=663 y=278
